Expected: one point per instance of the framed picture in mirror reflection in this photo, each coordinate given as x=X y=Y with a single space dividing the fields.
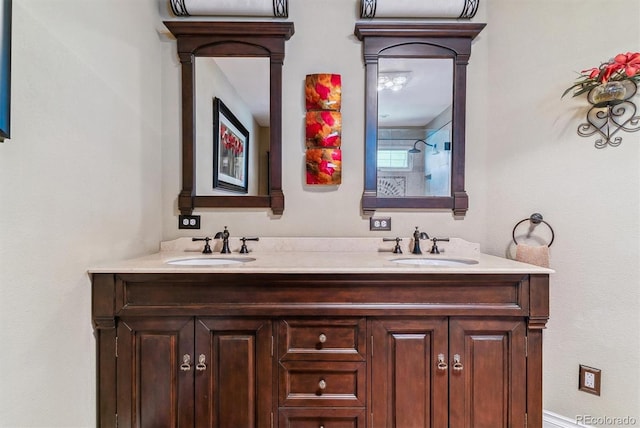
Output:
x=230 y=150
x=5 y=68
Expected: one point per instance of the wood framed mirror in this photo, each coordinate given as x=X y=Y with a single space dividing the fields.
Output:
x=230 y=50
x=415 y=106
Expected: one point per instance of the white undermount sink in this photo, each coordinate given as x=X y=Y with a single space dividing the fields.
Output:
x=210 y=261
x=435 y=262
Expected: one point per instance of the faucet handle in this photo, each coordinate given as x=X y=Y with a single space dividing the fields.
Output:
x=207 y=247
x=244 y=249
x=434 y=248
x=396 y=249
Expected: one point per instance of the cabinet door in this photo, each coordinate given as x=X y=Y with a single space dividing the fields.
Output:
x=155 y=373
x=407 y=387
x=488 y=381
x=233 y=384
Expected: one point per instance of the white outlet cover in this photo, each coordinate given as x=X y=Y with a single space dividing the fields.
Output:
x=589 y=380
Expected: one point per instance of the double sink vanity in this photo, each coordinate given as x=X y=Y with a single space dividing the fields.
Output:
x=322 y=332
x=319 y=332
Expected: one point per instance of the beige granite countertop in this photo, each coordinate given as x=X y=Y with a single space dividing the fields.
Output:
x=319 y=255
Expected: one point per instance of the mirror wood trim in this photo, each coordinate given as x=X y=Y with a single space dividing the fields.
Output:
x=405 y=40
x=237 y=39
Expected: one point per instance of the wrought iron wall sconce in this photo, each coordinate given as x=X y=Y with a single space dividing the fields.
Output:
x=611 y=111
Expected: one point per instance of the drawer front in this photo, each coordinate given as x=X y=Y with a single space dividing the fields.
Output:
x=322 y=418
x=339 y=384
x=323 y=339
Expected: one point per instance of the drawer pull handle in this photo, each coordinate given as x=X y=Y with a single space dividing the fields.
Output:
x=201 y=365
x=186 y=363
x=442 y=365
x=457 y=365
x=322 y=385
x=322 y=338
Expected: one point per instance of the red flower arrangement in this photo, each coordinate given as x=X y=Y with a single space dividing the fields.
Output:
x=624 y=66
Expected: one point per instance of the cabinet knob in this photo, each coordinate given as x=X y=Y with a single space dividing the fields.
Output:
x=442 y=365
x=201 y=365
x=457 y=365
x=322 y=385
x=322 y=338
x=186 y=363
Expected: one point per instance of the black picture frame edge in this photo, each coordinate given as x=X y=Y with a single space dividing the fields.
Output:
x=220 y=108
x=5 y=76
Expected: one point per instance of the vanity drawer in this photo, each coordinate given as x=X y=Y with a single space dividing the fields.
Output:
x=322 y=418
x=323 y=339
x=339 y=384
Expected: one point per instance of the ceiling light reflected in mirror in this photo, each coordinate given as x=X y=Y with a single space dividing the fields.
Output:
x=393 y=80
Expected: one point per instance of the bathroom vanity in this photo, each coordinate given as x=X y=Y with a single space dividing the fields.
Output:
x=298 y=338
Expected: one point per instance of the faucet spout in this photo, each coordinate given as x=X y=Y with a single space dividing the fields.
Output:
x=224 y=235
x=417 y=236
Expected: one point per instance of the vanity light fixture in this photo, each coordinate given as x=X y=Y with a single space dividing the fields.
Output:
x=393 y=80
x=415 y=149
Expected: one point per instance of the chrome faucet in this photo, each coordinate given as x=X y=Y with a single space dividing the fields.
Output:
x=224 y=235
x=417 y=236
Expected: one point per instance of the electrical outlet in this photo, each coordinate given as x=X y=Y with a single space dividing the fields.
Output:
x=380 y=223
x=189 y=222
x=589 y=380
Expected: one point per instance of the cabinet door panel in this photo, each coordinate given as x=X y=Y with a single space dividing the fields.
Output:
x=153 y=391
x=407 y=388
x=489 y=388
x=235 y=388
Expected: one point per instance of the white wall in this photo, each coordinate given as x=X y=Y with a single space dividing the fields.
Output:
x=92 y=172
x=79 y=183
x=537 y=162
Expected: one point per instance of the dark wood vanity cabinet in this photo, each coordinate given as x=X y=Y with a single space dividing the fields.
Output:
x=172 y=372
x=319 y=350
x=457 y=372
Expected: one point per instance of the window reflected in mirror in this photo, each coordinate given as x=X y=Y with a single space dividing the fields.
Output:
x=242 y=84
x=415 y=97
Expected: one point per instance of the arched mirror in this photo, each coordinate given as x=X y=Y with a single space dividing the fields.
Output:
x=231 y=113
x=415 y=114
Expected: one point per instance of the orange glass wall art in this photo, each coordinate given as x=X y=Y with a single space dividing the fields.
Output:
x=323 y=128
x=323 y=91
x=324 y=166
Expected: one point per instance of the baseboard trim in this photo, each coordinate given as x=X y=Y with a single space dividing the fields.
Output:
x=553 y=420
